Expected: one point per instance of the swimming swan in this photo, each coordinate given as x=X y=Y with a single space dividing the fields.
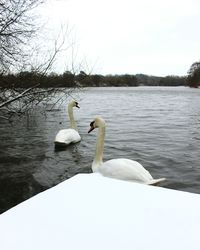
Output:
x=121 y=168
x=66 y=136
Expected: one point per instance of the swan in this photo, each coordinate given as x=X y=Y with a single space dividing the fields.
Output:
x=121 y=168
x=66 y=136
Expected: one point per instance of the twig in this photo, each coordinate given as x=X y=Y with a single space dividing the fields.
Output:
x=19 y=96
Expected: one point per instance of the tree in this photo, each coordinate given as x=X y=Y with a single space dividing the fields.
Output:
x=17 y=26
x=193 y=78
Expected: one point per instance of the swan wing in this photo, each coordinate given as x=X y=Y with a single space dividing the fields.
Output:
x=125 y=169
x=67 y=136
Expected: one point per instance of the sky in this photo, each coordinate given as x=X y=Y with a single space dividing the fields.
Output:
x=128 y=36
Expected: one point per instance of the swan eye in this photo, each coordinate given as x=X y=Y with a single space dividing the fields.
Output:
x=92 y=124
x=76 y=104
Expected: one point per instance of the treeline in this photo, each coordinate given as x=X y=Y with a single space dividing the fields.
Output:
x=193 y=78
x=68 y=79
x=172 y=80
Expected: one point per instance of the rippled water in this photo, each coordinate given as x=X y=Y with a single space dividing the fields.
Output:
x=157 y=126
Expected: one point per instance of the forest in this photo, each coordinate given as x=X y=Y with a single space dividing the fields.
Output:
x=67 y=79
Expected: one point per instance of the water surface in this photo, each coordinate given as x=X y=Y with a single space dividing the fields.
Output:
x=156 y=126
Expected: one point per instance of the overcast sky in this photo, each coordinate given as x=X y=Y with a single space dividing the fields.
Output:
x=131 y=36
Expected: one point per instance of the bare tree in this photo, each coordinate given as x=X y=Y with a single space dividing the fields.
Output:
x=17 y=27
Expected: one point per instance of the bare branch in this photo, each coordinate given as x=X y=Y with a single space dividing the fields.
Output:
x=19 y=96
x=16 y=29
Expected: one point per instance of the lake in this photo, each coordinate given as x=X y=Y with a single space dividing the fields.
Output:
x=156 y=126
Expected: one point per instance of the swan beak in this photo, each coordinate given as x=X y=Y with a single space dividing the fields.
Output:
x=77 y=106
x=91 y=128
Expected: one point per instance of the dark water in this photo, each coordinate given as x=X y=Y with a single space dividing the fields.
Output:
x=159 y=127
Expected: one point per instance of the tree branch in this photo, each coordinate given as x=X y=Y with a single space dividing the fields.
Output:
x=19 y=96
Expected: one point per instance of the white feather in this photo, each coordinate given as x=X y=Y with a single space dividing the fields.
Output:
x=67 y=136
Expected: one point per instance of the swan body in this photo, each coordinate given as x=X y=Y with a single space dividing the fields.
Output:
x=66 y=136
x=121 y=168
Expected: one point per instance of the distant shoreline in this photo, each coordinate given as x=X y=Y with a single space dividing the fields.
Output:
x=69 y=80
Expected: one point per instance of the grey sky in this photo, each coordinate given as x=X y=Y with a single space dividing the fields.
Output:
x=118 y=37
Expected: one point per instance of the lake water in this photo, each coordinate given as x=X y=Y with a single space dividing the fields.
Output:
x=156 y=126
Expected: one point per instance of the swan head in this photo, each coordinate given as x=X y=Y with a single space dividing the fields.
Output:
x=74 y=103
x=98 y=122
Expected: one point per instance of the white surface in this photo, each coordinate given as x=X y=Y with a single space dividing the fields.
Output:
x=90 y=212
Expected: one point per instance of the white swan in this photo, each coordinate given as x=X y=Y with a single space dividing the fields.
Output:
x=121 y=168
x=66 y=136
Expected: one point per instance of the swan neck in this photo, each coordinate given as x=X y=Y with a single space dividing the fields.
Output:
x=98 y=160
x=71 y=118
